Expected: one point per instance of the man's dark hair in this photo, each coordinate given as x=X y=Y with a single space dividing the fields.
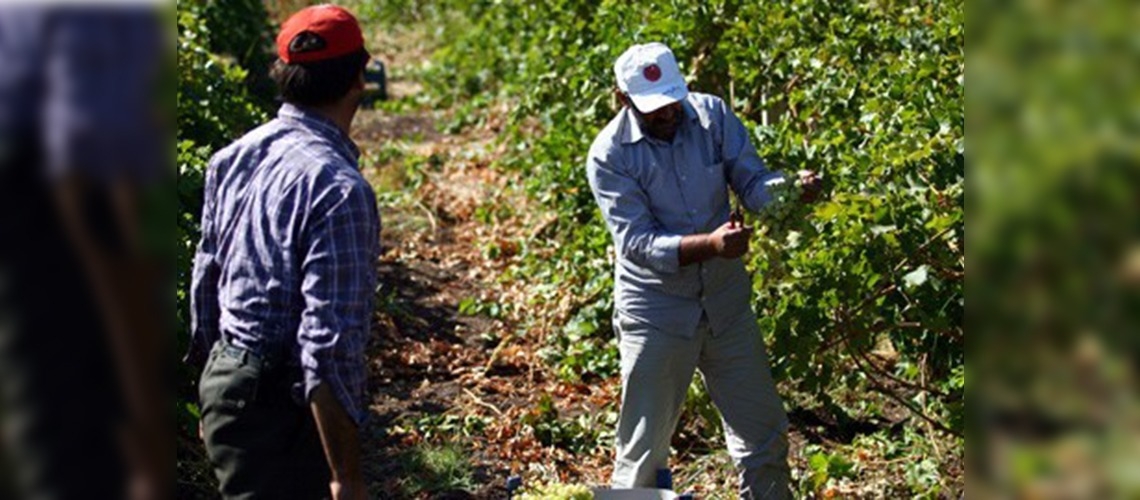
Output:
x=320 y=82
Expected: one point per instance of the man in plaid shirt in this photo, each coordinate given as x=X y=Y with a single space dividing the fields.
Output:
x=284 y=277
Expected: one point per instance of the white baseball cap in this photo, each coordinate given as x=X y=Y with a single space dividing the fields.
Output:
x=649 y=74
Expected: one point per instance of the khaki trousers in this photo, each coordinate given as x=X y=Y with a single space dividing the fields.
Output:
x=657 y=368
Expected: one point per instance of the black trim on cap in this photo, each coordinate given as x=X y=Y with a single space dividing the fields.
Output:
x=306 y=41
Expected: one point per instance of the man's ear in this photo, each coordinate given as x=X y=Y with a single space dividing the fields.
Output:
x=621 y=97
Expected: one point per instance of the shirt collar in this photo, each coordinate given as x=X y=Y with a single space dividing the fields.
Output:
x=320 y=125
x=633 y=132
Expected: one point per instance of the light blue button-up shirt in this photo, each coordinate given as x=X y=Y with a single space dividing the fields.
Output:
x=652 y=193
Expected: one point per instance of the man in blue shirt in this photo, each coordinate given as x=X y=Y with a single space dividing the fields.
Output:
x=661 y=172
x=284 y=278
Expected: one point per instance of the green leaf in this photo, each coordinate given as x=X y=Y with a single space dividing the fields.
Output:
x=468 y=306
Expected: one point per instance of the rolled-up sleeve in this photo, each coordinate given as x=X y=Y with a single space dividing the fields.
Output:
x=747 y=174
x=625 y=207
x=204 y=309
x=341 y=242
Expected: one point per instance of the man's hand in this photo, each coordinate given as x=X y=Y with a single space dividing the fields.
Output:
x=811 y=185
x=730 y=240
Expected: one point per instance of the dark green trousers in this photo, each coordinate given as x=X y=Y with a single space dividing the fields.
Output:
x=261 y=442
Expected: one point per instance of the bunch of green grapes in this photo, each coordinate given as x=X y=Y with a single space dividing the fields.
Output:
x=555 y=491
x=783 y=218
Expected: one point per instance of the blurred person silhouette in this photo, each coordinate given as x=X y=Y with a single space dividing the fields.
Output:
x=661 y=172
x=284 y=276
x=82 y=406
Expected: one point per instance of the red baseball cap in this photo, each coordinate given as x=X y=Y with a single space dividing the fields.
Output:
x=336 y=26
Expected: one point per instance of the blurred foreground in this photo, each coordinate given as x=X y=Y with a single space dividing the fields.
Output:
x=1055 y=163
x=85 y=309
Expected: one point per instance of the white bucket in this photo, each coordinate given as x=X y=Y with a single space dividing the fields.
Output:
x=634 y=494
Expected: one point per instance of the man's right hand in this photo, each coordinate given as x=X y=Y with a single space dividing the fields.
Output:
x=730 y=240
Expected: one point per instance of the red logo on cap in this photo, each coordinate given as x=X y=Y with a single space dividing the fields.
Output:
x=652 y=73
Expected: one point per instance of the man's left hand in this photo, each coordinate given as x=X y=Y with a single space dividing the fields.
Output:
x=811 y=186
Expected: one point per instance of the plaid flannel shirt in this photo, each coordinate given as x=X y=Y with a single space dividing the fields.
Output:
x=286 y=263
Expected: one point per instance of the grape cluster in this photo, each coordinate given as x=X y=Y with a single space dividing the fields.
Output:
x=784 y=216
x=558 y=492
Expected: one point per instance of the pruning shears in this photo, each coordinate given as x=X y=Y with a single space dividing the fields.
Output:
x=736 y=217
